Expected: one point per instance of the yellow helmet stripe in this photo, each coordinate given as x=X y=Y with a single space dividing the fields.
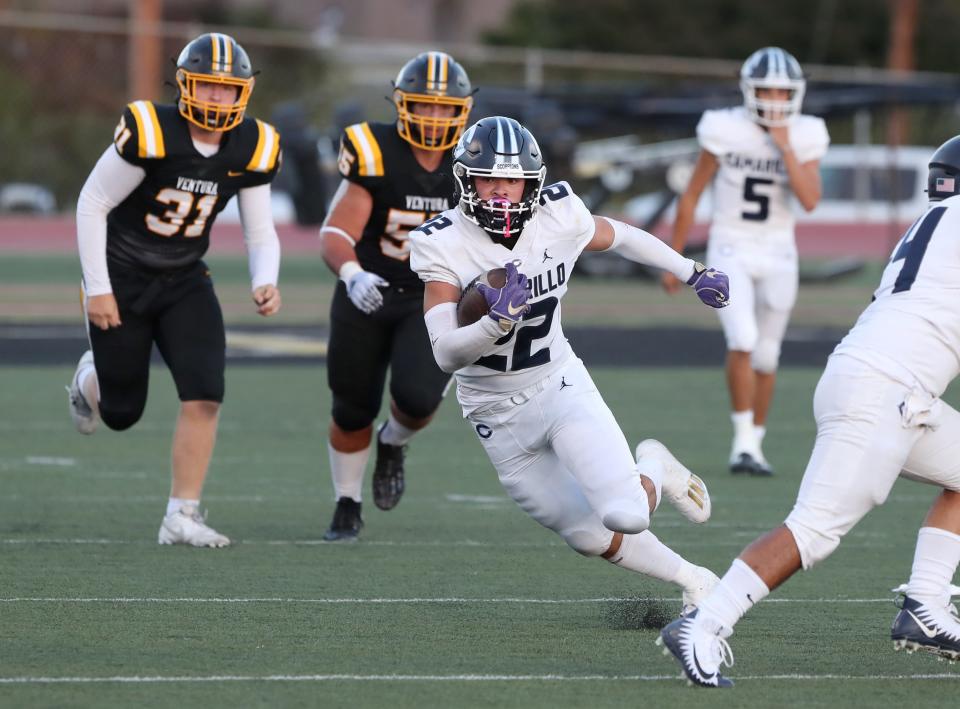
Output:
x=431 y=69
x=368 y=150
x=222 y=54
x=443 y=70
x=149 y=135
x=268 y=146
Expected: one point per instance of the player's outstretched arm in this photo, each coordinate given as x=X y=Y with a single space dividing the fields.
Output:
x=711 y=286
x=703 y=172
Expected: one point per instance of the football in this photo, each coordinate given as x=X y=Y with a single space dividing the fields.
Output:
x=473 y=305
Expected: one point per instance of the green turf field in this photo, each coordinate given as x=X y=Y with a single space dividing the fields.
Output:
x=45 y=288
x=454 y=599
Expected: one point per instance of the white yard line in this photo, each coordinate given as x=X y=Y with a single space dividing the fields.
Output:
x=412 y=600
x=448 y=678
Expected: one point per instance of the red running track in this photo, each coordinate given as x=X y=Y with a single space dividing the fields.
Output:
x=58 y=235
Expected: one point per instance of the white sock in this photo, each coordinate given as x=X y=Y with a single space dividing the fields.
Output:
x=738 y=591
x=743 y=436
x=646 y=554
x=759 y=432
x=346 y=470
x=934 y=563
x=175 y=503
x=395 y=433
x=653 y=469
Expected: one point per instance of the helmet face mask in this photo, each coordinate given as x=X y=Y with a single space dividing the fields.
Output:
x=432 y=79
x=943 y=177
x=213 y=59
x=498 y=147
x=772 y=68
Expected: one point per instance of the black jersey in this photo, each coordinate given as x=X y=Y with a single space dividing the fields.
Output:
x=374 y=156
x=165 y=222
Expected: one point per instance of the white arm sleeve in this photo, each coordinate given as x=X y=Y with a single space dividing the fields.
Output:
x=456 y=347
x=110 y=182
x=643 y=247
x=260 y=235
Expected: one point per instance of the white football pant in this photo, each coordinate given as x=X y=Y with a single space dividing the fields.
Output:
x=561 y=455
x=763 y=290
x=870 y=430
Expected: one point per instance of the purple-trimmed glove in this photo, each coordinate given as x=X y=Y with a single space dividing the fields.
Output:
x=712 y=286
x=508 y=304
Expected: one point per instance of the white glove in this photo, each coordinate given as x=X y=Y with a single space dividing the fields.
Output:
x=363 y=287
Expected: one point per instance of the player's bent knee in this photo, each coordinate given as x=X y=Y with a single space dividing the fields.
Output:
x=120 y=419
x=417 y=406
x=631 y=519
x=766 y=356
x=814 y=544
x=586 y=541
x=350 y=417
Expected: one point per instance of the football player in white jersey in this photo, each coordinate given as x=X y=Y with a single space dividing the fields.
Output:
x=879 y=416
x=757 y=156
x=557 y=449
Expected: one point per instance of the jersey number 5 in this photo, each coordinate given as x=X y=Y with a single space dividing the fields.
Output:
x=761 y=200
x=172 y=221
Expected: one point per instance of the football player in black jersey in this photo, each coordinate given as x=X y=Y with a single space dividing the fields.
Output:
x=395 y=177
x=143 y=225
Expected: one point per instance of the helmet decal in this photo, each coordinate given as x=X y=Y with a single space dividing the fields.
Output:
x=943 y=177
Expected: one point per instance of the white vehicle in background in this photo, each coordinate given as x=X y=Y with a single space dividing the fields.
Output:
x=871 y=194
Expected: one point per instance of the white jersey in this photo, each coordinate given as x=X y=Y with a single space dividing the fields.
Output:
x=451 y=249
x=911 y=330
x=751 y=191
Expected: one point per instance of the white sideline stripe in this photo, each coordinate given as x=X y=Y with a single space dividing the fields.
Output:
x=299 y=542
x=446 y=678
x=384 y=601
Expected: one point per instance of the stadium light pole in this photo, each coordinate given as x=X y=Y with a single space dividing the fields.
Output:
x=144 y=49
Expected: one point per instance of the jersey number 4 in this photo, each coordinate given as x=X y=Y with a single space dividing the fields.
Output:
x=912 y=248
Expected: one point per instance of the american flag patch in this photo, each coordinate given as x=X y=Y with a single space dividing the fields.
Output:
x=946 y=184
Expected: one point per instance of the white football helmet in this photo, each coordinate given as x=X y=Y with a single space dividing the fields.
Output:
x=772 y=68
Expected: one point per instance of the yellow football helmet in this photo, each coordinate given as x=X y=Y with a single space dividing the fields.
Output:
x=432 y=78
x=213 y=58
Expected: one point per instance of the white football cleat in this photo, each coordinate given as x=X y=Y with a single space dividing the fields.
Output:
x=681 y=488
x=188 y=526
x=694 y=594
x=700 y=649
x=84 y=418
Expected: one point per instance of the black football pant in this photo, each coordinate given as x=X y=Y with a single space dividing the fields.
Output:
x=178 y=311
x=364 y=347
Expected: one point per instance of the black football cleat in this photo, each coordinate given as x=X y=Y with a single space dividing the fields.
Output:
x=388 y=484
x=699 y=651
x=919 y=626
x=746 y=463
x=346 y=523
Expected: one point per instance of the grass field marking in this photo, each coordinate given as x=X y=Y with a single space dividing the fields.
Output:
x=51 y=460
x=451 y=678
x=414 y=600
